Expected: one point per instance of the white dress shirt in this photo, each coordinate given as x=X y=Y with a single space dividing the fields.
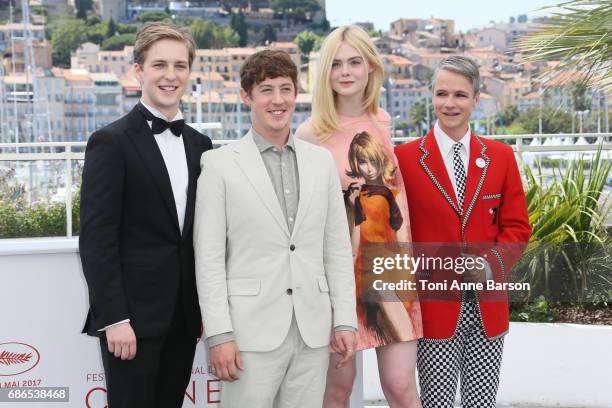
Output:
x=173 y=152
x=445 y=144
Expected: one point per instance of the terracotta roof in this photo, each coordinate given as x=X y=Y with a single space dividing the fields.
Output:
x=129 y=83
x=433 y=55
x=402 y=81
x=241 y=51
x=517 y=84
x=76 y=75
x=410 y=90
x=283 y=45
x=397 y=60
x=564 y=78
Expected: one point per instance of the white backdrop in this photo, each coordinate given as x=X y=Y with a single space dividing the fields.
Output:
x=43 y=301
x=43 y=304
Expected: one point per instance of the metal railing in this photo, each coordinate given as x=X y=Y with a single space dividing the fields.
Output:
x=68 y=155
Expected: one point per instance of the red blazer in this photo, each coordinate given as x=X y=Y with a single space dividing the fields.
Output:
x=494 y=213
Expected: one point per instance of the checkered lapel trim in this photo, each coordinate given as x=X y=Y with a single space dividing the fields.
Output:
x=468 y=212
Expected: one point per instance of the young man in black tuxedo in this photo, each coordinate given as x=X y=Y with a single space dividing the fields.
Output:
x=137 y=207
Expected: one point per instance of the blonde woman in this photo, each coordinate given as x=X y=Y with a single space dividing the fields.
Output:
x=347 y=121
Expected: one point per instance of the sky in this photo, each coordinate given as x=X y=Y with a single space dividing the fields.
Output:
x=467 y=14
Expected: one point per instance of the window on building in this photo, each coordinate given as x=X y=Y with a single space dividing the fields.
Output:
x=106 y=100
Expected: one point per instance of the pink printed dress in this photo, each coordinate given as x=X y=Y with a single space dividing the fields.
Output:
x=378 y=217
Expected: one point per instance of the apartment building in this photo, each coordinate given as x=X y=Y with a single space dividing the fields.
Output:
x=402 y=94
x=32 y=108
x=442 y=29
x=89 y=56
x=13 y=47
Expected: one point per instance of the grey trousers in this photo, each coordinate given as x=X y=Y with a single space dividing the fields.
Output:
x=291 y=376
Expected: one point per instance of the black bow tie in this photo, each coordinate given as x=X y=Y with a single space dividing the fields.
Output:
x=160 y=125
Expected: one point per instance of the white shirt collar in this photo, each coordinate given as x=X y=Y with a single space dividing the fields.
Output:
x=158 y=114
x=445 y=143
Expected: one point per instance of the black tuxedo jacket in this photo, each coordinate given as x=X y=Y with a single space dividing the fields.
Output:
x=134 y=257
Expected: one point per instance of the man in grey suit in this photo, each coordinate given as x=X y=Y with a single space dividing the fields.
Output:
x=274 y=265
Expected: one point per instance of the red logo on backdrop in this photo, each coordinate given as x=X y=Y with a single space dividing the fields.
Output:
x=17 y=358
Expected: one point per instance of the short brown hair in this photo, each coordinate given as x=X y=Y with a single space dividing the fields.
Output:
x=267 y=64
x=155 y=31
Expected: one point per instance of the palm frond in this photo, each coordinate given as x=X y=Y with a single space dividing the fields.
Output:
x=579 y=37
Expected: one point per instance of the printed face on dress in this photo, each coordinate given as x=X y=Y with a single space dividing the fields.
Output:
x=349 y=72
x=164 y=75
x=369 y=168
x=453 y=101
x=272 y=103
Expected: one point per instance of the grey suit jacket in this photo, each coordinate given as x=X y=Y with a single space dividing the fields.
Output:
x=251 y=273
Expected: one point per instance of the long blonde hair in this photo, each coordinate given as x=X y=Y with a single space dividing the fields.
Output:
x=324 y=115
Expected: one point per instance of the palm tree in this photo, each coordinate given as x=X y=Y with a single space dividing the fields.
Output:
x=580 y=37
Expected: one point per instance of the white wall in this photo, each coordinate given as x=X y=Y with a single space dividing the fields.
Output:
x=549 y=364
x=43 y=305
x=44 y=301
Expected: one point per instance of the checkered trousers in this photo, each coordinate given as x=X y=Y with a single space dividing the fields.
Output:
x=468 y=355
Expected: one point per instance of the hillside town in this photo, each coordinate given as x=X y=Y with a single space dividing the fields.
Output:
x=53 y=94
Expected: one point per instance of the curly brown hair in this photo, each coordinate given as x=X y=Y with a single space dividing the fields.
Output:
x=267 y=64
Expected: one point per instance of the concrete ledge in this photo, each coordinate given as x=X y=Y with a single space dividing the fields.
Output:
x=26 y=246
x=545 y=364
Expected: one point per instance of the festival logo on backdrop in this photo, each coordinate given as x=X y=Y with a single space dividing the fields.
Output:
x=17 y=358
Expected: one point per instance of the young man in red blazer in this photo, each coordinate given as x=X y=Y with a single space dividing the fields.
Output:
x=465 y=191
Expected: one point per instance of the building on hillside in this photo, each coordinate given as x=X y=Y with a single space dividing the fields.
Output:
x=115 y=9
x=492 y=37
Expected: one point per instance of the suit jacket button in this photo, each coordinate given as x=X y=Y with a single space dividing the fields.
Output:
x=289 y=291
x=292 y=247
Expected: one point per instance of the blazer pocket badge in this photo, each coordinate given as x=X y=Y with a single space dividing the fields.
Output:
x=493 y=212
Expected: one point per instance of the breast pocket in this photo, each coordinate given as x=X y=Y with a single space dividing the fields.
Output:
x=489 y=209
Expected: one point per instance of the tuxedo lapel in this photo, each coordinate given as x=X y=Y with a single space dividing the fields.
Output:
x=192 y=163
x=306 y=178
x=141 y=135
x=433 y=164
x=248 y=158
x=476 y=175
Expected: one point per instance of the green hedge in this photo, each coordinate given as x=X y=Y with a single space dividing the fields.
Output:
x=40 y=220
